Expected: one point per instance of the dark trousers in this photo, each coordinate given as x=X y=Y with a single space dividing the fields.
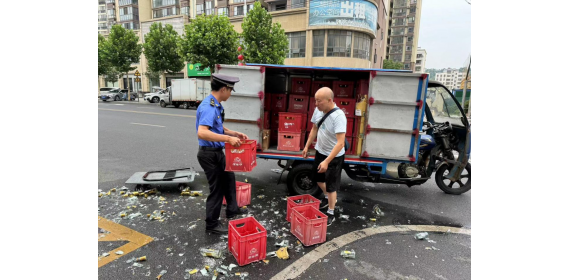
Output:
x=222 y=184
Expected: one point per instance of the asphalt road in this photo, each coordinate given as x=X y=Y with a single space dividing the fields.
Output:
x=143 y=137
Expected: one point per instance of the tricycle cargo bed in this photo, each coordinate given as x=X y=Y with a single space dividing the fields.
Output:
x=384 y=108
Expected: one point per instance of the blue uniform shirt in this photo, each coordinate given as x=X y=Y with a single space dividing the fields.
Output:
x=209 y=113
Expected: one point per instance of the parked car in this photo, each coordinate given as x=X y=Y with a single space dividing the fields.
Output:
x=154 y=97
x=105 y=90
x=114 y=94
x=125 y=93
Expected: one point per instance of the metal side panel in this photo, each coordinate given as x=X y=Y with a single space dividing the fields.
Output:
x=394 y=114
x=244 y=109
x=389 y=145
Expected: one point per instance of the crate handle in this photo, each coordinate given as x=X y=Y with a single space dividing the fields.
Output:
x=287 y=136
x=239 y=225
x=237 y=151
x=254 y=241
x=297 y=219
x=300 y=82
x=289 y=118
x=317 y=225
x=279 y=97
x=342 y=86
x=299 y=99
x=344 y=103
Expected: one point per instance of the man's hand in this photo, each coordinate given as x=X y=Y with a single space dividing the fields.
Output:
x=323 y=166
x=234 y=141
x=241 y=136
x=305 y=152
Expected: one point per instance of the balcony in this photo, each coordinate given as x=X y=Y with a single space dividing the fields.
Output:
x=101 y=2
x=110 y=2
x=164 y=3
x=129 y=17
x=281 y=5
x=401 y=3
x=102 y=11
x=102 y=18
x=128 y=2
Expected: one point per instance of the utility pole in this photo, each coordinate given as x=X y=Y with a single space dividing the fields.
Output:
x=465 y=85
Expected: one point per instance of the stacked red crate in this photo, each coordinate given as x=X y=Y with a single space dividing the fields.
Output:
x=278 y=102
x=291 y=131
x=344 y=89
x=301 y=86
x=319 y=84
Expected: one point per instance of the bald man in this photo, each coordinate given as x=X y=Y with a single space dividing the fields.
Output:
x=329 y=157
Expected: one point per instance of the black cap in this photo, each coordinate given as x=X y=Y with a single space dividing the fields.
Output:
x=226 y=80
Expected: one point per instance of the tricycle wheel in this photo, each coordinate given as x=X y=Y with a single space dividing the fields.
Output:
x=449 y=187
x=299 y=181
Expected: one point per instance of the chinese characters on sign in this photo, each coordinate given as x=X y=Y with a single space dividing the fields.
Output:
x=356 y=13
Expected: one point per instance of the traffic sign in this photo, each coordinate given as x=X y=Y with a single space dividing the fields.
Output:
x=137 y=74
x=138 y=80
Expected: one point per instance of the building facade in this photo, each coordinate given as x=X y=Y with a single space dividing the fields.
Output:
x=451 y=78
x=403 y=32
x=329 y=33
x=421 y=56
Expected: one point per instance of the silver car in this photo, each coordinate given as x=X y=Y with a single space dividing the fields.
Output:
x=154 y=97
x=111 y=95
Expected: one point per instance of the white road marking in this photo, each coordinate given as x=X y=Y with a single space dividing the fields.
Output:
x=295 y=269
x=148 y=124
x=146 y=108
x=119 y=104
x=149 y=113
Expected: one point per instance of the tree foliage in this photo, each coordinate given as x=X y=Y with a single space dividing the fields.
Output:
x=209 y=40
x=264 y=41
x=390 y=64
x=103 y=62
x=160 y=49
x=123 y=49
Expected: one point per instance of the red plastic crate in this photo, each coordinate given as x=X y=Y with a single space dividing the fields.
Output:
x=243 y=194
x=298 y=200
x=267 y=102
x=274 y=120
x=242 y=158
x=312 y=106
x=319 y=84
x=343 y=89
x=292 y=122
x=301 y=86
x=266 y=119
x=288 y=141
x=309 y=124
x=349 y=127
x=347 y=105
x=309 y=225
x=298 y=103
x=247 y=240
x=361 y=88
x=278 y=102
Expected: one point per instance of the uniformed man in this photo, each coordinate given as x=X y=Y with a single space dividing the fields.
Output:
x=211 y=137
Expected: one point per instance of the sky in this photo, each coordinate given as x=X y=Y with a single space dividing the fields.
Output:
x=445 y=33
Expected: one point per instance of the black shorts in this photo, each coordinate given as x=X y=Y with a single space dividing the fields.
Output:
x=332 y=176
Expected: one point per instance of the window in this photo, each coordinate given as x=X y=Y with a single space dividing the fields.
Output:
x=199 y=9
x=339 y=43
x=406 y=66
x=318 y=43
x=238 y=11
x=208 y=8
x=249 y=7
x=410 y=30
x=223 y=11
x=297 y=4
x=408 y=56
x=396 y=40
x=128 y=2
x=412 y=10
x=442 y=106
x=418 y=68
x=411 y=19
x=296 y=44
x=238 y=1
x=361 y=46
x=418 y=61
x=102 y=26
x=410 y=39
x=162 y=3
x=165 y=12
x=185 y=11
x=408 y=48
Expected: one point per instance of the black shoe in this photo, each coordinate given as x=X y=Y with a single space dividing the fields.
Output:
x=241 y=211
x=219 y=229
x=325 y=203
x=330 y=219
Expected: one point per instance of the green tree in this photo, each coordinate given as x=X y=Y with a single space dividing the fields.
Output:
x=263 y=41
x=209 y=40
x=390 y=64
x=103 y=62
x=160 y=49
x=123 y=49
x=112 y=75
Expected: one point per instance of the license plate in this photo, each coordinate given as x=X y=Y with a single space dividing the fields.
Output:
x=103 y=97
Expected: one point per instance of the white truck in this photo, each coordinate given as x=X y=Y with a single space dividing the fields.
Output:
x=185 y=93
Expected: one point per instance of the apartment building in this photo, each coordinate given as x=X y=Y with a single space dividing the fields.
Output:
x=451 y=78
x=420 y=65
x=403 y=32
x=330 y=33
x=102 y=15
